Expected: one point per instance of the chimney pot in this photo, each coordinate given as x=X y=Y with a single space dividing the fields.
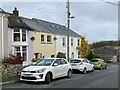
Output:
x=16 y=12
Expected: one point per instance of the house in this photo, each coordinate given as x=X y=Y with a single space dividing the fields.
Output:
x=35 y=38
x=44 y=43
x=51 y=38
x=60 y=33
x=3 y=35
x=19 y=37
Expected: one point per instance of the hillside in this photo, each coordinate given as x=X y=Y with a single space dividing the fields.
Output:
x=104 y=44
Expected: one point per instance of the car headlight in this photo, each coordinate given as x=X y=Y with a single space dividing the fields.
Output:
x=41 y=70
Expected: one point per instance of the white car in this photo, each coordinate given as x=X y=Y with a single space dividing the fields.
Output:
x=82 y=64
x=46 y=70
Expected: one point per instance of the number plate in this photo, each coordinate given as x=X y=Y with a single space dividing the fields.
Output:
x=27 y=75
x=74 y=65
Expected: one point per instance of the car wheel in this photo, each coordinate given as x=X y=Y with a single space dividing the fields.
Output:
x=69 y=74
x=85 y=71
x=106 y=67
x=101 y=68
x=93 y=69
x=47 y=78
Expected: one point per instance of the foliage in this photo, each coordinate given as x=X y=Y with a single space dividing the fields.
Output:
x=5 y=60
x=15 y=60
x=12 y=60
x=61 y=55
x=105 y=43
x=35 y=59
x=84 y=48
x=91 y=56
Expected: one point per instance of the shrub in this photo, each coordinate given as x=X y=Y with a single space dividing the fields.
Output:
x=35 y=59
x=15 y=60
x=61 y=55
x=5 y=60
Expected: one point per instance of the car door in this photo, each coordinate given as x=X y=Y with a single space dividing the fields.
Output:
x=64 y=67
x=103 y=64
x=57 y=69
x=86 y=64
x=89 y=65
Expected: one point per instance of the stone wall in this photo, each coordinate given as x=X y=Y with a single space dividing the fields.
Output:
x=10 y=69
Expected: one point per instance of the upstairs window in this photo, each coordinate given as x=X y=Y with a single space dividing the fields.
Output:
x=24 y=35
x=63 y=42
x=42 y=38
x=16 y=35
x=20 y=35
x=71 y=41
x=48 y=38
x=78 y=42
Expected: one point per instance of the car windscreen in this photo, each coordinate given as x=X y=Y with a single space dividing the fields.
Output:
x=75 y=61
x=94 y=60
x=44 y=62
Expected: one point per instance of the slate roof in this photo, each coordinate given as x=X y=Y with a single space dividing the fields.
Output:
x=35 y=25
x=2 y=11
x=55 y=28
x=16 y=22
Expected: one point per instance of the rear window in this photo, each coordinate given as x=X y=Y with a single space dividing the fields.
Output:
x=75 y=61
x=94 y=60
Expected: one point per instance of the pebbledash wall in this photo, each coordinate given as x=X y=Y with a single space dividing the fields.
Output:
x=29 y=44
x=73 y=53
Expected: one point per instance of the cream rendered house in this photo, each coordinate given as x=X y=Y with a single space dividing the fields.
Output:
x=44 y=42
x=60 y=32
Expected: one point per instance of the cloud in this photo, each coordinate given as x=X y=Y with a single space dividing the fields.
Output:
x=95 y=20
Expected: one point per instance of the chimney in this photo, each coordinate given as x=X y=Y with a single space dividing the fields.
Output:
x=16 y=12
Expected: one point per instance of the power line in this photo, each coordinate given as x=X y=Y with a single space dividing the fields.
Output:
x=54 y=11
x=110 y=3
x=39 y=9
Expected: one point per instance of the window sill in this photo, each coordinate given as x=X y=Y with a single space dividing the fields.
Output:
x=49 y=42
x=43 y=43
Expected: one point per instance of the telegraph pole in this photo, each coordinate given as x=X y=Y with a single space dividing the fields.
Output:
x=68 y=27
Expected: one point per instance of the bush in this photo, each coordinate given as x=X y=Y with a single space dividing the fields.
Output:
x=35 y=60
x=61 y=55
x=5 y=60
x=15 y=60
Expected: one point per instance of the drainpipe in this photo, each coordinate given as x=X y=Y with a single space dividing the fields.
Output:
x=2 y=38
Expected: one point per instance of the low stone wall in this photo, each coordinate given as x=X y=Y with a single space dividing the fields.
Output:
x=10 y=69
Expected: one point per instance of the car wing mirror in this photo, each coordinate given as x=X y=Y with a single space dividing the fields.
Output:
x=55 y=64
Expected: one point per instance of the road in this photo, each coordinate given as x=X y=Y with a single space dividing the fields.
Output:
x=107 y=78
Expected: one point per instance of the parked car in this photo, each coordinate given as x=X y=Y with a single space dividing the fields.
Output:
x=99 y=63
x=82 y=64
x=46 y=70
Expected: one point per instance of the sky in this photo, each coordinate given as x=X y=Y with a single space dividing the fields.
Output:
x=97 y=21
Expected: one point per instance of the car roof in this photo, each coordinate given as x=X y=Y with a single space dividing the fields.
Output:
x=78 y=58
x=52 y=58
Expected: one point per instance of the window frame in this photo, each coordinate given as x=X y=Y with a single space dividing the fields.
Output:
x=49 y=38
x=21 y=35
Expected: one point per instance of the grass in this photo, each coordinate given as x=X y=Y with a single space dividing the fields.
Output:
x=7 y=78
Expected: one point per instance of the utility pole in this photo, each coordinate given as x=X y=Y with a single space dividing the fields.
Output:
x=68 y=27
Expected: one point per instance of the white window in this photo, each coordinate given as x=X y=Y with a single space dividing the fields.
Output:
x=16 y=35
x=24 y=35
x=20 y=35
x=42 y=38
x=48 y=38
x=71 y=41
x=20 y=51
x=63 y=41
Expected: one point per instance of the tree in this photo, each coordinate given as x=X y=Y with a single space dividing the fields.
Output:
x=61 y=55
x=84 y=48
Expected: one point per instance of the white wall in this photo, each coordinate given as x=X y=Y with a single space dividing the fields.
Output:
x=61 y=48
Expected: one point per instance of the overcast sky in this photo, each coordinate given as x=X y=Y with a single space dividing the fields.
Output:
x=96 y=21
